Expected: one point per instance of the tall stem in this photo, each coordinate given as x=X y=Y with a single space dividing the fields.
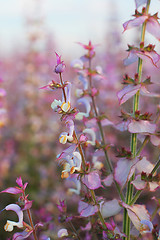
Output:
x=126 y=220
x=64 y=94
x=108 y=162
x=31 y=221
x=84 y=163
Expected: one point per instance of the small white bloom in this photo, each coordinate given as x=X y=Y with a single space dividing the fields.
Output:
x=62 y=233
x=10 y=224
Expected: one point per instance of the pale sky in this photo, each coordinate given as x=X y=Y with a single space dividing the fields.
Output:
x=69 y=21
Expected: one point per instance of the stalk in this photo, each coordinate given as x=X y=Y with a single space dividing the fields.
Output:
x=133 y=145
x=108 y=162
x=64 y=94
x=84 y=164
x=31 y=221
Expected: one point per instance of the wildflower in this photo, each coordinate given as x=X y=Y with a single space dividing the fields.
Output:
x=92 y=134
x=146 y=53
x=64 y=105
x=64 y=136
x=22 y=235
x=86 y=209
x=146 y=226
x=62 y=233
x=16 y=190
x=80 y=115
x=77 y=64
x=92 y=180
x=60 y=67
x=152 y=24
x=139 y=217
x=74 y=178
x=71 y=163
x=10 y=224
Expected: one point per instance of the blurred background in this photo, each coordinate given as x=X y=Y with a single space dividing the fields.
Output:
x=31 y=31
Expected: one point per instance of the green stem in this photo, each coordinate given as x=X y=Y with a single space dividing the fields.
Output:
x=143 y=145
x=126 y=220
x=99 y=213
x=74 y=230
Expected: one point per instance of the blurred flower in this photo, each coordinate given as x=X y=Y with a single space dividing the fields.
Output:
x=86 y=102
x=60 y=67
x=71 y=163
x=62 y=233
x=91 y=132
x=86 y=209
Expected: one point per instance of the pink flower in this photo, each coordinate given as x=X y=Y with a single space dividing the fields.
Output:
x=144 y=54
x=22 y=235
x=153 y=26
x=86 y=209
x=60 y=67
x=92 y=180
x=139 y=217
x=90 y=49
x=16 y=190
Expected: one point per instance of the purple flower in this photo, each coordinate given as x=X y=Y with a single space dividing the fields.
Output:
x=60 y=67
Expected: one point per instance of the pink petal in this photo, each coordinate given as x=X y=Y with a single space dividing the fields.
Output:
x=134 y=22
x=155 y=140
x=122 y=126
x=153 y=56
x=92 y=180
x=19 y=182
x=25 y=185
x=21 y=235
x=153 y=27
x=138 y=183
x=144 y=166
x=110 y=208
x=58 y=58
x=137 y=213
x=67 y=151
x=141 y=126
x=2 y=92
x=86 y=209
x=12 y=190
x=140 y=2
x=149 y=226
x=153 y=186
x=106 y=122
x=149 y=94
x=122 y=170
x=108 y=180
x=28 y=205
x=87 y=227
x=132 y=57
x=127 y=92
